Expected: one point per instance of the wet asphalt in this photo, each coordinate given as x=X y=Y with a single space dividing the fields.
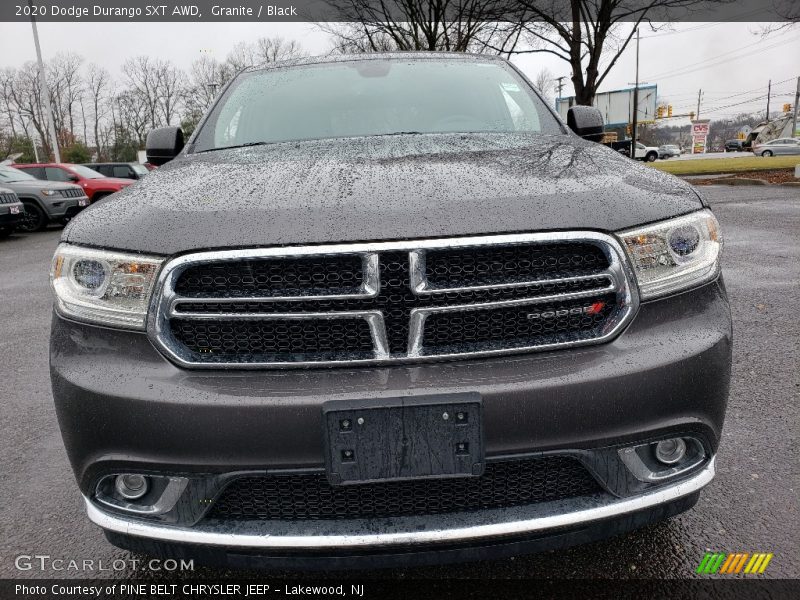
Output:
x=751 y=506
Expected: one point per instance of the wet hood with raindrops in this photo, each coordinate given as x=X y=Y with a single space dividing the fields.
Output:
x=381 y=188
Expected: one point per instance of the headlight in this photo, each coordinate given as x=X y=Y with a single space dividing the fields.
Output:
x=48 y=192
x=107 y=288
x=674 y=255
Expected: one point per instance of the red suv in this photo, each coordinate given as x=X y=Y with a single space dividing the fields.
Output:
x=93 y=183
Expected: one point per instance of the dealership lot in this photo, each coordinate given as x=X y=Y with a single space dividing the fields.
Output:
x=750 y=507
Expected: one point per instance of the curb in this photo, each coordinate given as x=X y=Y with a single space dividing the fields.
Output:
x=739 y=181
x=791 y=183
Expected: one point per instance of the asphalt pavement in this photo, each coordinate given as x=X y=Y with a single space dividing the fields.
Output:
x=751 y=506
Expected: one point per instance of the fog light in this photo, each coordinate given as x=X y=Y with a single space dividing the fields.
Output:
x=670 y=451
x=131 y=487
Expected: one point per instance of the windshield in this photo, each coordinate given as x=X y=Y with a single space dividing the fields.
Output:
x=9 y=175
x=374 y=97
x=140 y=169
x=86 y=172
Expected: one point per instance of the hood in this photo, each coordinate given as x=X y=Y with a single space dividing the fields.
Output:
x=381 y=188
x=41 y=184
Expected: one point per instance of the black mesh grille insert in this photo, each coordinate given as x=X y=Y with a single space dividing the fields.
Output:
x=274 y=340
x=483 y=266
x=272 y=277
x=310 y=497
x=71 y=192
x=526 y=265
x=517 y=326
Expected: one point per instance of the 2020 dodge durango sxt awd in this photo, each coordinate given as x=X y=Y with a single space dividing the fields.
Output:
x=388 y=308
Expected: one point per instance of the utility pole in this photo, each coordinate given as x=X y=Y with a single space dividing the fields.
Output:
x=635 y=101
x=769 y=93
x=699 y=95
x=43 y=84
x=560 y=85
x=796 y=102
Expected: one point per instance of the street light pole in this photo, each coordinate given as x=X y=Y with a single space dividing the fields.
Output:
x=51 y=126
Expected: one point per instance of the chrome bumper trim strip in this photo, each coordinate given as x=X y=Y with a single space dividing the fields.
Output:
x=364 y=536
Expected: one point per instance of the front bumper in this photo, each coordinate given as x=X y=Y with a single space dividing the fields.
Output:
x=470 y=528
x=8 y=218
x=123 y=407
x=64 y=210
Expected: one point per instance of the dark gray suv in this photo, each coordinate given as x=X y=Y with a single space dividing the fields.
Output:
x=44 y=202
x=388 y=308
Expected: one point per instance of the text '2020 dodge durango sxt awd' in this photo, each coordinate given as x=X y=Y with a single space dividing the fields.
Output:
x=388 y=308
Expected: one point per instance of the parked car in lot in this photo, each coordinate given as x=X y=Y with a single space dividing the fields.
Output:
x=668 y=151
x=45 y=202
x=646 y=153
x=778 y=147
x=94 y=184
x=120 y=170
x=12 y=211
x=734 y=146
x=388 y=308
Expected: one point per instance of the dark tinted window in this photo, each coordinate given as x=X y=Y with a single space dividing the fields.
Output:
x=37 y=172
x=55 y=174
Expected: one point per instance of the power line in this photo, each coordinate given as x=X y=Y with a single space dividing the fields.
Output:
x=736 y=18
x=683 y=70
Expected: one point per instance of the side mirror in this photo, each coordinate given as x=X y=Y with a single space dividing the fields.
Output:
x=163 y=144
x=586 y=121
x=73 y=178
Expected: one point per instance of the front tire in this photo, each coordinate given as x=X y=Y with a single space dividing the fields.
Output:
x=651 y=157
x=34 y=218
x=766 y=153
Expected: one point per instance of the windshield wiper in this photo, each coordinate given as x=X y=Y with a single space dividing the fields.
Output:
x=247 y=145
x=399 y=133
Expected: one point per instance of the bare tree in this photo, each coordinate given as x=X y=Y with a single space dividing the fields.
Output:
x=264 y=50
x=788 y=11
x=133 y=116
x=169 y=82
x=152 y=92
x=590 y=35
x=274 y=49
x=24 y=95
x=6 y=84
x=155 y=83
x=66 y=89
x=141 y=85
x=445 y=25
x=98 y=82
x=543 y=82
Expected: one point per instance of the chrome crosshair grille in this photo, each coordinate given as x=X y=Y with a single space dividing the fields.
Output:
x=391 y=301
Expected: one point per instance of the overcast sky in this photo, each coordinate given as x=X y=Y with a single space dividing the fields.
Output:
x=731 y=62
